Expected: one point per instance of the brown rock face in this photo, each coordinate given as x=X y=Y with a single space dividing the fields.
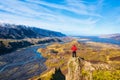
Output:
x=78 y=69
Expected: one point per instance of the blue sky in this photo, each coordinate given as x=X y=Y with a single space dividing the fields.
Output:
x=73 y=17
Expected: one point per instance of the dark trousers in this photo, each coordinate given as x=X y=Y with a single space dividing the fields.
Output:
x=74 y=54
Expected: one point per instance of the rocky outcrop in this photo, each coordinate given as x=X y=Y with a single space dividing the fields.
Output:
x=78 y=69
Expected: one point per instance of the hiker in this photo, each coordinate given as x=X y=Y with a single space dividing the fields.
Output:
x=74 y=48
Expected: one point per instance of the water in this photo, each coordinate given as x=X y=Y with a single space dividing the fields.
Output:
x=23 y=61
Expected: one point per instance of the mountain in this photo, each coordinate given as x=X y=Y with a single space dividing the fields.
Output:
x=112 y=36
x=11 y=31
x=13 y=37
x=116 y=36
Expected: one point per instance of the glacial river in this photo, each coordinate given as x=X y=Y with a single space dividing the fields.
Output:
x=22 y=64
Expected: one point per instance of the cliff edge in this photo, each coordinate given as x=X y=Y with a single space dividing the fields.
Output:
x=79 y=69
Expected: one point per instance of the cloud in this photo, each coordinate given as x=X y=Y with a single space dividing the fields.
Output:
x=28 y=9
x=74 y=6
x=51 y=15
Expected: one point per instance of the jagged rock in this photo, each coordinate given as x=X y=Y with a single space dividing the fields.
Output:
x=79 y=69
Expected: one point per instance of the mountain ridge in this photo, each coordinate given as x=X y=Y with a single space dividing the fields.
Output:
x=13 y=37
x=111 y=36
x=12 y=31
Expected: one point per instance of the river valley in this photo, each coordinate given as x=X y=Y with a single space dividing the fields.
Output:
x=22 y=64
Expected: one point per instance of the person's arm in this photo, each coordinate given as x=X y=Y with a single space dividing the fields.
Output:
x=75 y=48
x=71 y=48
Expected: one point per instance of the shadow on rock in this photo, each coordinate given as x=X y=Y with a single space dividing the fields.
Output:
x=58 y=75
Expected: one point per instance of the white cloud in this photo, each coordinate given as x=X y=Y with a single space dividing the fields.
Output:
x=74 y=6
x=48 y=15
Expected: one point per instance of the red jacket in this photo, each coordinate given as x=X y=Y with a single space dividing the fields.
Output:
x=74 y=48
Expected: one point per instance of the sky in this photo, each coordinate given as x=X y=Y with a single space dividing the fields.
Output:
x=72 y=17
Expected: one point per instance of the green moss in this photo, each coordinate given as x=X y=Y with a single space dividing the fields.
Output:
x=72 y=68
x=106 y=75
x=84 y=73
x=71 y=65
